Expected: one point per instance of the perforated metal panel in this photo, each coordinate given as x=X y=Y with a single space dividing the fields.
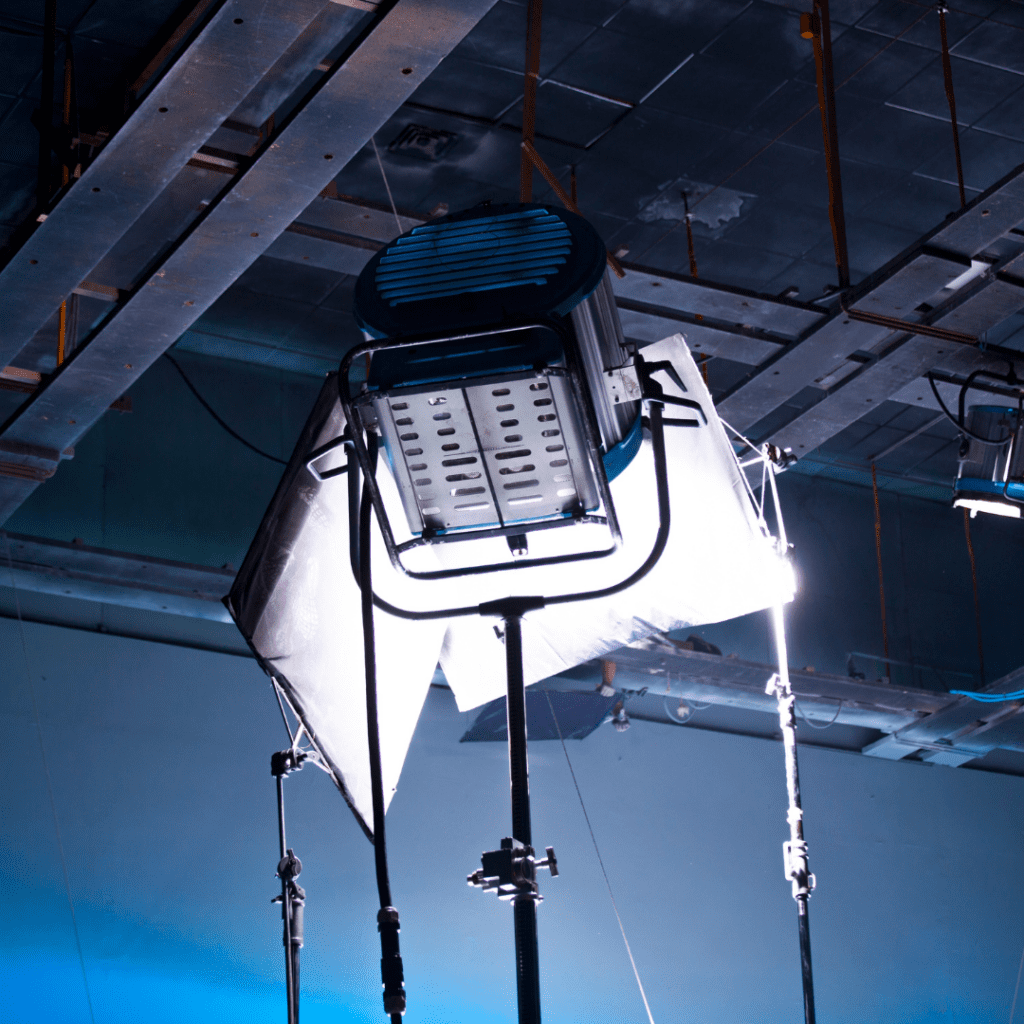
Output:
x=498 y=453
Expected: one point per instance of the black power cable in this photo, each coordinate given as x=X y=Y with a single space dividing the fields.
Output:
x=387 y=919
x=206 y=405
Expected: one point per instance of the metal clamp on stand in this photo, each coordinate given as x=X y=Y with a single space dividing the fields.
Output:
x=512 y=871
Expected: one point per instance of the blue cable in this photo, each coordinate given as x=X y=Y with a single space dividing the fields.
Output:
x=990 y=698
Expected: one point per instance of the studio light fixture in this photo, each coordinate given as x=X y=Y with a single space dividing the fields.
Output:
x=498 y=481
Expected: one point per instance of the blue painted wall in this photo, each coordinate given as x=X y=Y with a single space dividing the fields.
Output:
x=158 y=761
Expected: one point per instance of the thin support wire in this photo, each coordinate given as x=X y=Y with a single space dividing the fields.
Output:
x=593 y=839
x=1016 y=988
x=49 y=783
x=284 y=717
x=387 y=187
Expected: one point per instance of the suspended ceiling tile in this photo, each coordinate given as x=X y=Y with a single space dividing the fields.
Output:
x=870 y=244
x=658 y=19
x=919 y=25
x=622 y=66
x=874 y=67
x=782 y=113
x=913 y=202
x=997 y=45
x=986 y=158
x=570 y=117
x=287 y=280
x=664 y=145
x=764 y=38
x=779 y=171
x=710 y=92
x=17 y=192
x=106 y=20
x=721 y=260
x=592 y=12
x=21 y=56
x=1005 y=118
x=977 y=89
x=790 y=229
x=251 y=316
x=613 y=187
x=500 y=38
x=896 y=138
x=468 y=87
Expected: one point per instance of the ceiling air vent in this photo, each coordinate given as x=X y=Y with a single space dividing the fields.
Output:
x=482 y=254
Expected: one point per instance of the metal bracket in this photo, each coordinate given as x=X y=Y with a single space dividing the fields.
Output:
x=511 y=872
x=622 y=384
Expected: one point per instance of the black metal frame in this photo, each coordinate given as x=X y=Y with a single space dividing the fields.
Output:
x=395 y=550
x=518 y=848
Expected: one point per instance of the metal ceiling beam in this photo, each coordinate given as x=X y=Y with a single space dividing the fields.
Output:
x=354 y=99
x=961 y=731
x=86 y=573
x=236 y=49
x=823 y=356
x=910 y=357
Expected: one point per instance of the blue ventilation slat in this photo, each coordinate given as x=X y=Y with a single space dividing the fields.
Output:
x=412 y=258
x=490 y=238
x=469 y=261
x=440 y=260
x=492 y=286
x=510 y=274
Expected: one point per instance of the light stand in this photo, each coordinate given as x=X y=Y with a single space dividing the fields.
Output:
x=293 y=896
x=794 y=852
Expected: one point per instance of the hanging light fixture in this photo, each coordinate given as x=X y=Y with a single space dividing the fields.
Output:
x=990 y=473
x=495 y=479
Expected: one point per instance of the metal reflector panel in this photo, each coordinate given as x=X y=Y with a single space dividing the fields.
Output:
x=499 y=452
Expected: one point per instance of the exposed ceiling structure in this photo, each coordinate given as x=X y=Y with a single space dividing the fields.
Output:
x=228 y=168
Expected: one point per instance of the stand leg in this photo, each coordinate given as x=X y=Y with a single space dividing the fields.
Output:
x=805 y=959
x=525 y=906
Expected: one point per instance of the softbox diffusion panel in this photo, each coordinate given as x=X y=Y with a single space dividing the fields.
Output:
x=297 y=603
x=719 y=562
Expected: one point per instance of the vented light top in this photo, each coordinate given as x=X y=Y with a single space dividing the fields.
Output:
x=490 y=265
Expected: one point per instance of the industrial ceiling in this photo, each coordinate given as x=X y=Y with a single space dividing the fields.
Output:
x=216 y=174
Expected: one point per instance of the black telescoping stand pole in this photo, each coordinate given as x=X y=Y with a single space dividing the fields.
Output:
x=511 y=872
x=524 y=905
x=794 y=851
x=293 y=896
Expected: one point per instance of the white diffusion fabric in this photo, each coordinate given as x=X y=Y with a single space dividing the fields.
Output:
x=718 y=563
x=310 y=632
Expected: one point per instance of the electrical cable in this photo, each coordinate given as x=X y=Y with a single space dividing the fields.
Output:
x=995 y=442
x=49 y=783
x=990 y=698
x=827 y=725
x=673 y=717
x=387 y=919
x=593 y=839
x=206 y=405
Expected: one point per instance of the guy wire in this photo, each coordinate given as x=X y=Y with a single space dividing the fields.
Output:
x=593 y=839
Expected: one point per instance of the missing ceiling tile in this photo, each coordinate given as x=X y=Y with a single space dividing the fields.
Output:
x=720 y=206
